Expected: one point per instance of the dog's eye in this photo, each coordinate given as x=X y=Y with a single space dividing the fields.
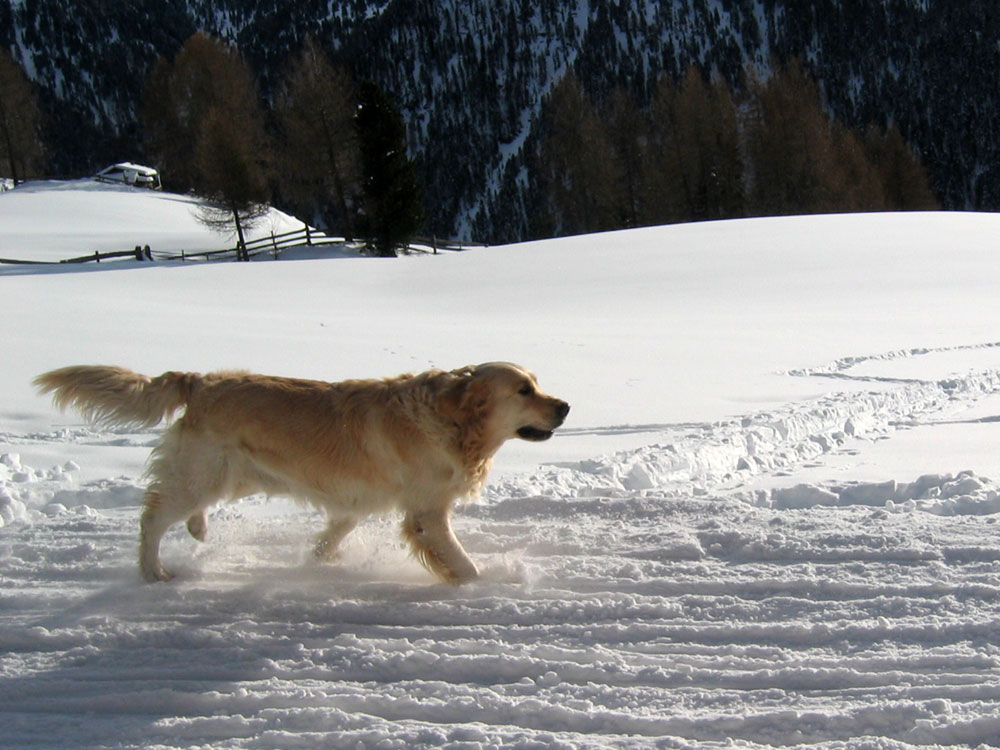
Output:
x=526 y=390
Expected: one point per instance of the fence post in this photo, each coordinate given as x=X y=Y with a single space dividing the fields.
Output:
x=308 y=235
x=97 y=256
x=274 y=245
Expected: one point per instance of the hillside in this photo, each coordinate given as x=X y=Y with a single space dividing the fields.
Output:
x=470 y=76
x=54 y=220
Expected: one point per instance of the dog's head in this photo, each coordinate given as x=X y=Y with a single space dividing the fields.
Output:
x=499 y=401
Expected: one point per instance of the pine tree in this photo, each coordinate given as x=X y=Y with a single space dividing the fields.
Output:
x=315 y=109
x=393 y=198
x=20 y=143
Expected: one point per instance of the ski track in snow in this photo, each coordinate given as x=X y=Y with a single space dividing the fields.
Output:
x=646 y=599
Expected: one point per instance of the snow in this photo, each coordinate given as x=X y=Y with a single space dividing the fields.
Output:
x=56 y=220
x=771 y=518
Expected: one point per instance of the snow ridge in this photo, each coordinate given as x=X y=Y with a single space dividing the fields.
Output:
x=846 y=363
x=712 y=457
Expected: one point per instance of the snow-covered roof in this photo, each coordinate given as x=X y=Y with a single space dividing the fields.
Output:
x=127 y=166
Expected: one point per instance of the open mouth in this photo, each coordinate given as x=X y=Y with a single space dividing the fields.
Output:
x=534 y=433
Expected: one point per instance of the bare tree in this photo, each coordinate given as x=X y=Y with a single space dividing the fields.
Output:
x=315 y=108
x=693 y=168
x=205 y=128
x=790 y=145
x=854 y=184
x=802 y=160
x=905 y=183
x=578 y=169
x=232 y=181
x=626 y=136
x=20 y=144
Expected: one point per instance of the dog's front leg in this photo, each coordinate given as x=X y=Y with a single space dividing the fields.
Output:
x=435 y=546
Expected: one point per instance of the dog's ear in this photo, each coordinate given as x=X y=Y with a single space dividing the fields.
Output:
x=450 y=396
x=465 y=398
x=454 y=391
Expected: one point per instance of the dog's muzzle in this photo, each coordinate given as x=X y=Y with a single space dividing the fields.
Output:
x=538 y=434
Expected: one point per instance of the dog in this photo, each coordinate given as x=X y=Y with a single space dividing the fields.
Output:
x=417 y=443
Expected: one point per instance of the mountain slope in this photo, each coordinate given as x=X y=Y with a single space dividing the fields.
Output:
x=470 y=76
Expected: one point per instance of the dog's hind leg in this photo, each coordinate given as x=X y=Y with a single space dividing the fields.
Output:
x=157 y=517
x=188 y=474
x=336 y=529
x=435 y=546
x=197 y=525
x=161 y=510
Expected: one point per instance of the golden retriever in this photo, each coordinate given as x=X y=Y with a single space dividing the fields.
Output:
x=416 y=443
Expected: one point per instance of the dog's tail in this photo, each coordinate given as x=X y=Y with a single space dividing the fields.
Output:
x=114 y=396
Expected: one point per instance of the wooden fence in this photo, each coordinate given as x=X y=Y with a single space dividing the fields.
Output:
x=97 y=257
x=273 y=245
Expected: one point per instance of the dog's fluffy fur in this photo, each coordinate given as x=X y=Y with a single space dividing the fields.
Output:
x=417 y=443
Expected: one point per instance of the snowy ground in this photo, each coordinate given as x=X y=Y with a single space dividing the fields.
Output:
x=53 y=220
x=770 y=521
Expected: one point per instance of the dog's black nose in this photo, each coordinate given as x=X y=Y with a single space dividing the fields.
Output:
x=562 y=409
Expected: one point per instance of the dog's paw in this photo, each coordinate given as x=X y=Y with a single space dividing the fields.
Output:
x=325 y=552
x=156 y=573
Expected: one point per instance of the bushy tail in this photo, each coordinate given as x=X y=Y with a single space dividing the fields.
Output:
x=114 y=396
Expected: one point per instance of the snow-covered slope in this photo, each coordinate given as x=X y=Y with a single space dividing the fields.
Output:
x=770 y=520
x=54 y=220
